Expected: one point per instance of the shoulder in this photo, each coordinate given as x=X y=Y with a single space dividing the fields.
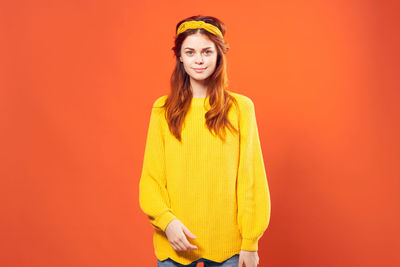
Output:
x=159 y=101
x=157 y=109
x=244 y=102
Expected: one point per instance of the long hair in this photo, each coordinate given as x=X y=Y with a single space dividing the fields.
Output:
x=178 y=101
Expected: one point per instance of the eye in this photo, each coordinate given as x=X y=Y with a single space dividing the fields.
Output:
x=209 y=51
x=189 y=52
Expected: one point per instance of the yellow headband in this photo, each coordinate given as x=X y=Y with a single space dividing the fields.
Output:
x=195 y=24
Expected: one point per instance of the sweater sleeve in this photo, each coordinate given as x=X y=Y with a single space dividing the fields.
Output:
x=153 y=195
x=252 y=187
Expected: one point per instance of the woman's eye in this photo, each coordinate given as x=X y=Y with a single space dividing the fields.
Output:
x=191 y=52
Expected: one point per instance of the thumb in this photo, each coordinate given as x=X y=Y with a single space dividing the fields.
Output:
x=240 y=261
x=188 y=233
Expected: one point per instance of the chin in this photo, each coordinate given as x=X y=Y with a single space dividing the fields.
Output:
x=200 y=79
x=200 y=76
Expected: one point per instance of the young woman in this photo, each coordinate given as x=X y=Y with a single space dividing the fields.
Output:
x=203 y=185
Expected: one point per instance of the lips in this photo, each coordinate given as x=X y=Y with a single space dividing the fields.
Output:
x=199 y=69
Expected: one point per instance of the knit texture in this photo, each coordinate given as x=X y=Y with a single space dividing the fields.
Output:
x=218 y=190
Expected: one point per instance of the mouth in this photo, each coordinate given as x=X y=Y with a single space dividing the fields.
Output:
x=199 y=69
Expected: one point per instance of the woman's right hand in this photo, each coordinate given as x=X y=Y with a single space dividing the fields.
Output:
x=175 y=232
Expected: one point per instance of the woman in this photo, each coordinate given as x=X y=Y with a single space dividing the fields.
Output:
x=203 y=188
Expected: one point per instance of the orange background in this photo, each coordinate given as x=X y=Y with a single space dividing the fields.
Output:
x=77 y=82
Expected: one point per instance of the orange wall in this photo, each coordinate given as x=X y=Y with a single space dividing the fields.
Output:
x=77 y=82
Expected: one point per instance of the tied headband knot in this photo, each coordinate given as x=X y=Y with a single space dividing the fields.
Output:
x=195 y=24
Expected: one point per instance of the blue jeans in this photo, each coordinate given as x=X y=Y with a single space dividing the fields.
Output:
x=231 y=262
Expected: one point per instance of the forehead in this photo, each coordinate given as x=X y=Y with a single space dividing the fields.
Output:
x=197 y=41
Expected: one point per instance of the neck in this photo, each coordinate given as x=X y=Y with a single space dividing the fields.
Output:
x=199 y=88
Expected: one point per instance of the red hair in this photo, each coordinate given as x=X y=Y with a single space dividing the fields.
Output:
x=178 y=101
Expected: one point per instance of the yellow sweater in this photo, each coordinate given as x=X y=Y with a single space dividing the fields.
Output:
x=219 y=191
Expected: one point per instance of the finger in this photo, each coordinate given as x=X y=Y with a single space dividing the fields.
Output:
x=179 y=246
x=187 y=232
x=188 y=245
x=240 y=262
x=174 y=246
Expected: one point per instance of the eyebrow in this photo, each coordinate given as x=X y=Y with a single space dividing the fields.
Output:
x=194 y=49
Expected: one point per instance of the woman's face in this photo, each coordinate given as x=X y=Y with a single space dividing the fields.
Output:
x=199 y=56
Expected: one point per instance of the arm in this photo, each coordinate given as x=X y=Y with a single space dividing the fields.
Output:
x=153 y=195
x=252 y=188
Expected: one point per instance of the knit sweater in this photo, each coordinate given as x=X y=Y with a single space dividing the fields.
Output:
x=218 y=190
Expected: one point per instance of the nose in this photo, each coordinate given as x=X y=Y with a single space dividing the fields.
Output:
x=199 y=59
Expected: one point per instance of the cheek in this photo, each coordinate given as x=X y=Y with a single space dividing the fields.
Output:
x=213 y=59
x=187 y=61
x=184 y=62
x=213 y=62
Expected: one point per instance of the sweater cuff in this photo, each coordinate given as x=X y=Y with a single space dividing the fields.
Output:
x=249 y=244
x=165 y=219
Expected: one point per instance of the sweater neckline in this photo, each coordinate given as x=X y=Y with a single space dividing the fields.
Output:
x=197 y=101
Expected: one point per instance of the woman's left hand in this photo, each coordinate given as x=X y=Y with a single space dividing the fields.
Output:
x=249 y=258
